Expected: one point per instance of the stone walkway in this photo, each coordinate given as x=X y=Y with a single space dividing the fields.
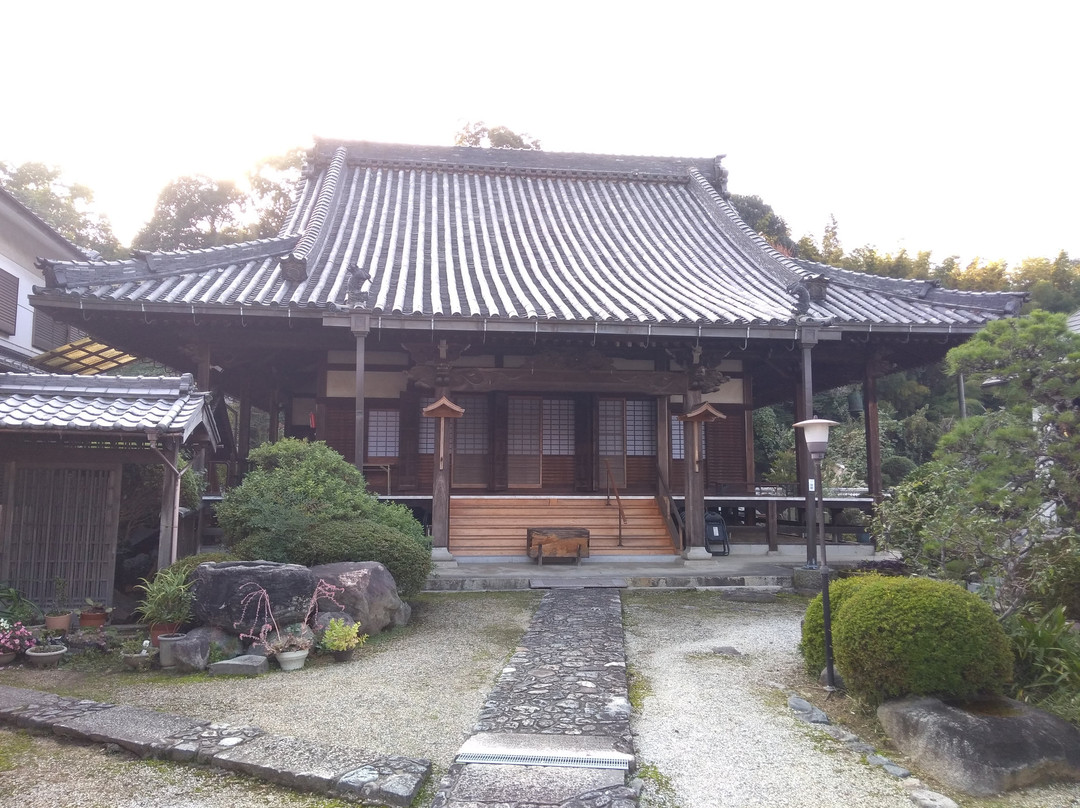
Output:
x=340 y=771
x=555 y=731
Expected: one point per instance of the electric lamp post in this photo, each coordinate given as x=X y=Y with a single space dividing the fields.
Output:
x=816 y=435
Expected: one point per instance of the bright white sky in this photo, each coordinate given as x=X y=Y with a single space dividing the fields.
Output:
x=942 y=125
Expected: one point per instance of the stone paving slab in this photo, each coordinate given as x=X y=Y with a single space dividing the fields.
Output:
x=246 y=665
x=346 y=772
x=542 y=582
x=597 y=749
x=140 y=731
x=531 y=785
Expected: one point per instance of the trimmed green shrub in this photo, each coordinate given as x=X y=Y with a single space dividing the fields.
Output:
x=188 y=564
x=812 y=646
x=914 y=636
x=363 y=540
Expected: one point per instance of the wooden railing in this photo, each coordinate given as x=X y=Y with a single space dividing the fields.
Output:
x=672 y=516
x=613 y=488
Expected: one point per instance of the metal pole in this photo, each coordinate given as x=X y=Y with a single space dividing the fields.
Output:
x=830 y=674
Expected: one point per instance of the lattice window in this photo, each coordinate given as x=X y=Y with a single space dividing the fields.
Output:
x=9 y=302
x=427 y=429
x=383 y=432
x=641 y=428
x=678 y=439
x=558 y=426
x=612 y=426
x=523 y=436
x=471 y=434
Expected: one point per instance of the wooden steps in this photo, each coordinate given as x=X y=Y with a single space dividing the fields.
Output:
x=496 y=526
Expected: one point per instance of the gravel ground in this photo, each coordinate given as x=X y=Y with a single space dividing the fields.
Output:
x=710 y=730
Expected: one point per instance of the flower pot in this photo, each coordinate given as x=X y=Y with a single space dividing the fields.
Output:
x=166 y=651
x=344 y=656
x=7 y=657
x=58 y=622
x=92 y=619
x=157 y=629
x=291 y=660
x=40 y=658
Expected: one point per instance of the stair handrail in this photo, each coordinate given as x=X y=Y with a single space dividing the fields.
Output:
x=611 y=486
x=672 y=518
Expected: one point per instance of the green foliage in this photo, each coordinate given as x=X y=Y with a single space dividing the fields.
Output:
x=895 y=637
x=812 y=646
x=273 y=183
x=341 y=636
x=187 y=565
x=408 y=561
x=194 y=212
x=167 y=598
x=1053 y=572
x=303 y=503
x=759 y=215
x=64 y=206
x=1047 y=655
x=140 y=505
x=478 y=133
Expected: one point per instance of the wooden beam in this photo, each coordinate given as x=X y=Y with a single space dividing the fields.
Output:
x=873 y=435
x=533 y=380
x=169 y=522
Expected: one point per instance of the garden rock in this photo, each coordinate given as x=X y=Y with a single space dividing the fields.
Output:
x=192 y=653
x=370 y=595
x=322 y=620
x=988 y=747
x=226 y=644
x=220 y=589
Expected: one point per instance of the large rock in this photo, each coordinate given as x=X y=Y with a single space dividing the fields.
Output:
x=986 y=747
x=194 y=651
x=370 y=595
x=221 y=589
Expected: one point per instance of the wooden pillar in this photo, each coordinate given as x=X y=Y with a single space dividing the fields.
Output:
x=275 y=416
x=440 y=494
x=169 y=523
x=359 y=326
x=243 y=427
x=408 y=469
x=585 y=448
x=663 y=439
x=694 y=502
x=873 y=437
x=772 y=519
x=804 y=409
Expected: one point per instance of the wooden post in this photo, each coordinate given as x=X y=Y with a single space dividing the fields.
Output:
x=359 y=325
x=169 y=523
x=663 y=439
x=873 y=438
x=442 y=409
x=243 y=427
x=771 y=526
x=696 y=415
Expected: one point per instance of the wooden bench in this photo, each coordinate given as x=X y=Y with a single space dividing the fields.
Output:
x=557 y=542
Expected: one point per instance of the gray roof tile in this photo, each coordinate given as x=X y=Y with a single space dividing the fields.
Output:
x=428 y=231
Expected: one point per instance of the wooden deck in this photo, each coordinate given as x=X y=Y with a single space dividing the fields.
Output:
x=497 y=526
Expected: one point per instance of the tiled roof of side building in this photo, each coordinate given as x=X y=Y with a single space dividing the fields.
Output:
x=437 y=231
x=114 y=404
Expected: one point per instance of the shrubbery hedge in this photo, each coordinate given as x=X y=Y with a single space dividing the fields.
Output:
x=895 y=637
x=813 y=627
x=303 y=503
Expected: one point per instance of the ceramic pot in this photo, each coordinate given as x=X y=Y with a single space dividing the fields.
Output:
x=45 y=659
x=7 y=657
x=157 y=629
x=166 y=653
x=92 y=619
x=344 y=656
x=58 y=622
x=291 y=660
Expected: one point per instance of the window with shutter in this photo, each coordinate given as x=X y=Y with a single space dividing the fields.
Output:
x=9 y=302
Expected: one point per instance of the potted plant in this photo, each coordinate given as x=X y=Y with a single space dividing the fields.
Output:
x=341 y=639
x=14 y=638
x=137 y=653
x=167 y=602
x=94 y=614
x=289 y=646
x=59 y=617
x=47 y=651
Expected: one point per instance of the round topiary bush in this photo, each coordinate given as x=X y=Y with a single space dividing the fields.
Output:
x=914 y=636
x=406 y=560
x=812 y=646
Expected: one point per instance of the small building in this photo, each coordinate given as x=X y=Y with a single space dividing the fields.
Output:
x=63 y=442
x=578 y=309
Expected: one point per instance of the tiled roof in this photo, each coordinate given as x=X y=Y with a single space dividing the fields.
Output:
x=1074 y=321
x=443 y=232
x=110 y=404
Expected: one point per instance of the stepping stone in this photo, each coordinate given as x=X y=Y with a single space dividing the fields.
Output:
x=571 y=582
x=246 y=665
